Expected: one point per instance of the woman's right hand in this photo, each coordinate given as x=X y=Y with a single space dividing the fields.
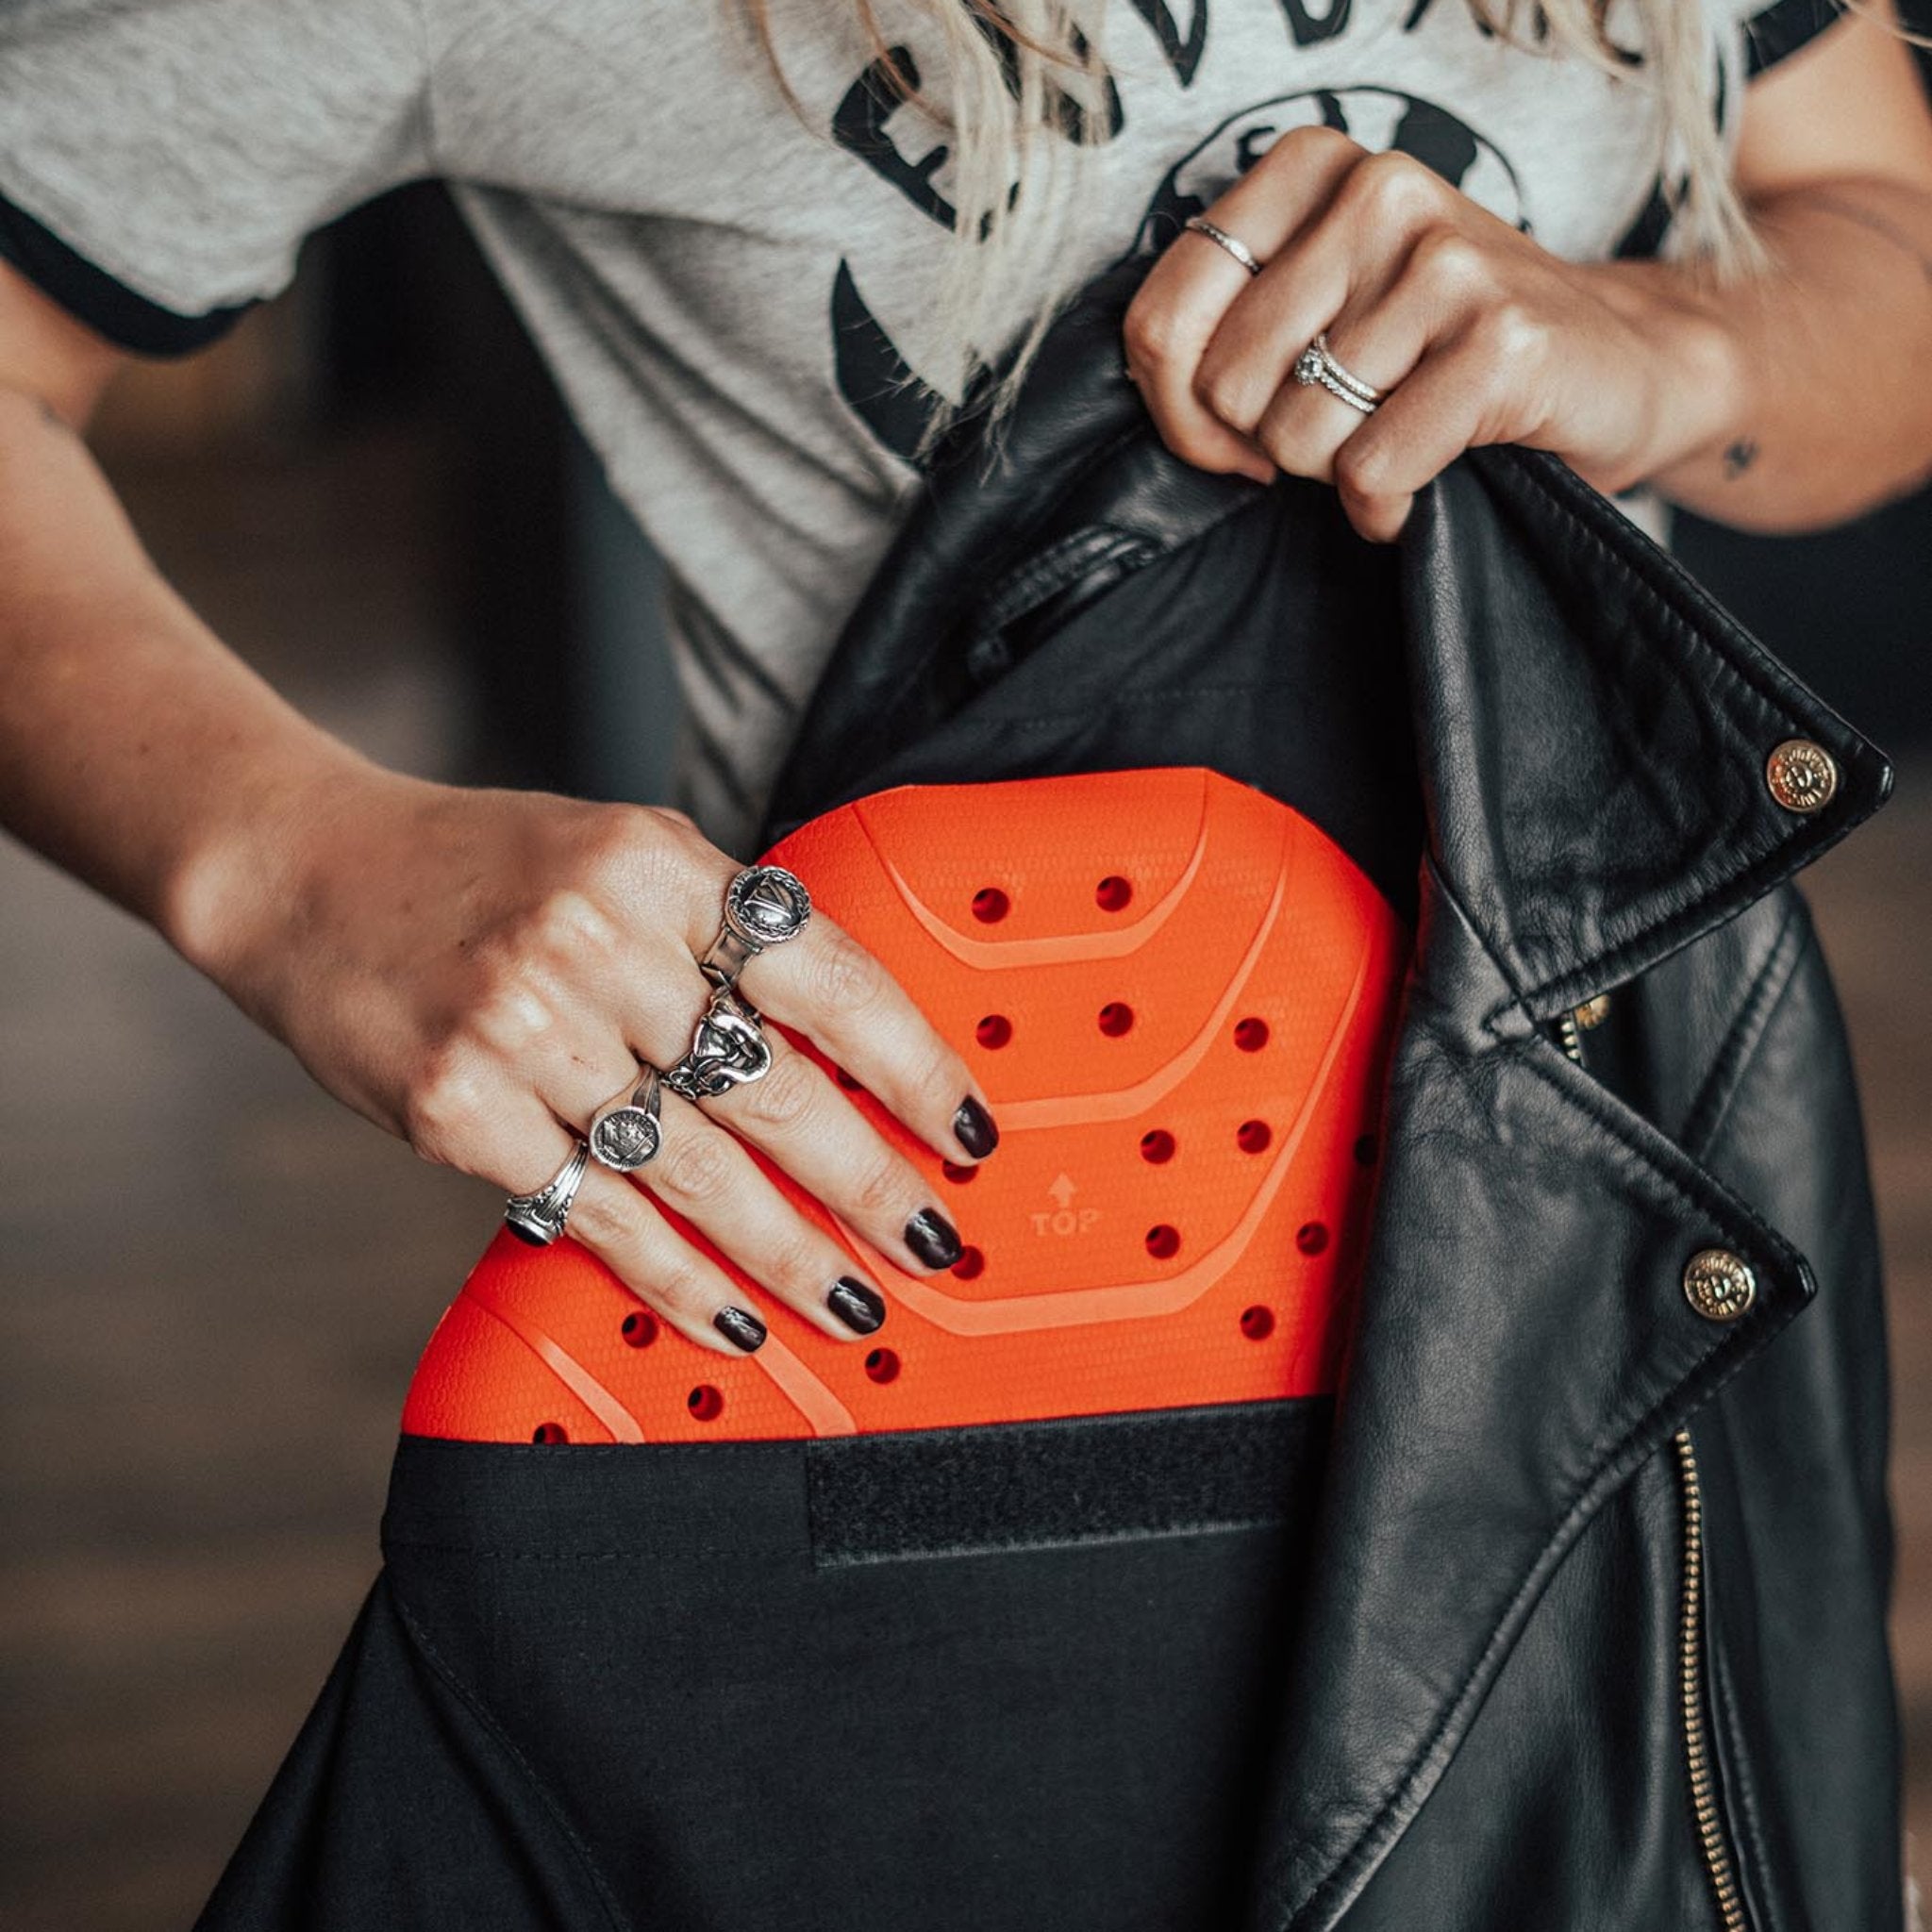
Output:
x=479 y=971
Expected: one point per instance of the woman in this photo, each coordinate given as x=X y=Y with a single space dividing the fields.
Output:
x=474 y=1006
x=522 y=953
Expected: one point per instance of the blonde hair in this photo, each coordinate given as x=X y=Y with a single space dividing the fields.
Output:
x=1027 y=102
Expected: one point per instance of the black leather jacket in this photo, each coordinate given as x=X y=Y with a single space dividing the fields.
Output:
x=1596 y=1638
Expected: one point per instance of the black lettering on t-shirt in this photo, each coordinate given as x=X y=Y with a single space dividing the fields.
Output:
x=861 y=123
x=1308 y=27
x=883 y=390
x=1438 y=138
x=1069 y=116
x=1183 y=54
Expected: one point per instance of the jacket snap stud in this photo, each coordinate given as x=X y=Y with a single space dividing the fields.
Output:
x=1592 y=1013
x=1718 y=1285
x=1801 y=775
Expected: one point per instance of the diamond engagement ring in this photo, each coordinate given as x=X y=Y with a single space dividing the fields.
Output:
x=1233 y=243
x=625 y=1132
x=728 y=1049
x=764 y=905
x=539 y=1218
x=1316 y=365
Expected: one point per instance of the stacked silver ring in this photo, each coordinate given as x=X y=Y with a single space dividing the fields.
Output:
x=1316 y=365
x=539 y=1218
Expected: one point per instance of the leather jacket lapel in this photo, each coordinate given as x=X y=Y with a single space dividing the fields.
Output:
x=1592 y=734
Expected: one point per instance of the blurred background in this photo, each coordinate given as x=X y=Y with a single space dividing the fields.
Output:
x=207 y=1317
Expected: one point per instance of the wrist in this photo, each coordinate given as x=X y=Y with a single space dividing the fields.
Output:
x=1700 y=383
x=236 y=876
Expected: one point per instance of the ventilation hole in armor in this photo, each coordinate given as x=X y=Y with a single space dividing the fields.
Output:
x=1252 y=1137
x=1258 y=1324
x=993 y=1031
x=1112 y=893
x=1311 y=1237
x=640 y=1330
x=706 y=1403
x=1163 y=1241
x=882 y=1365
x=1116 y=1017
x=549 y=1432
x=954 y=1171
x=990 y=904
x=1250 y=1036
x=971 y=1264
x=1156 y=1145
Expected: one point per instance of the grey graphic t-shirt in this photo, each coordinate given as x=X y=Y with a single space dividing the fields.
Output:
x=733 y=298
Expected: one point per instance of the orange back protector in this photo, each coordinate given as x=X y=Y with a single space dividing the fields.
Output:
x=1179 y=996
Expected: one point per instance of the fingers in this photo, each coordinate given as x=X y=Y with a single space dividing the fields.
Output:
x=797 y=1116
x=1319 y=277
x=704 y=1171
x=826 y=983
x=1380 y=335
x=1439 y=412
x=1400 y=271
x=1179 y=306
x=520 y=1147
x=626 y=1232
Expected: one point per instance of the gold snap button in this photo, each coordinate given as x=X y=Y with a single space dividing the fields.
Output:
x=1718 y=1285
x=1801 y=775
x=1592 y=1013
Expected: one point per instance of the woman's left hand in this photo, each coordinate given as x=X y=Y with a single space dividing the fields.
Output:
x=1475 y=334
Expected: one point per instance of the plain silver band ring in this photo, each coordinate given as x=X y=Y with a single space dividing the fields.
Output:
x=625 y=1132
x=539 y=1218
x=1316 y=365
x=1233 y=243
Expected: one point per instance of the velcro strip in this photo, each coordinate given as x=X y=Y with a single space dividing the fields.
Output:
x=1074 y=1479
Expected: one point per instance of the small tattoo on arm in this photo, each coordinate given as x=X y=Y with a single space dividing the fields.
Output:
x=1739 y=458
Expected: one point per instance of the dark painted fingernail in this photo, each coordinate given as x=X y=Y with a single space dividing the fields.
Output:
x=973 y=1130
x=933 y=1237
x=736 y=1324
x=855 y=1304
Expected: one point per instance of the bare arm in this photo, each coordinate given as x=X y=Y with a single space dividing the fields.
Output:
x=129 y=736
x=477 y=970
x=1789 y=399
x=1829 y=406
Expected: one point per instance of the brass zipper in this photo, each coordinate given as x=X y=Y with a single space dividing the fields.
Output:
x=1569 y=1037
x=1571 y=1026
x=1697 y=1749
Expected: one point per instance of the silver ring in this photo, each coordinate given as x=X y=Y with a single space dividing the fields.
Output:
x=539 y=1218
x=764 y=905
x=625 y=1132
x=1233 y=243
x=728 y=1049
x=1316 y=365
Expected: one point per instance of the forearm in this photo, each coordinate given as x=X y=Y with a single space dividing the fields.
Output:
x=1816 y=403
x=135 y=750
